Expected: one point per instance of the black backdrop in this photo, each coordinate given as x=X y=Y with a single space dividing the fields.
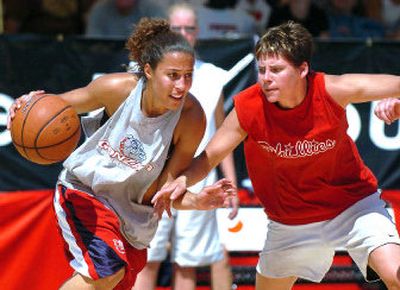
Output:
x=29 y=62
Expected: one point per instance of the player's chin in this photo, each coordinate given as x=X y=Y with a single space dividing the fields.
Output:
x=175 y=102
x=271 y=97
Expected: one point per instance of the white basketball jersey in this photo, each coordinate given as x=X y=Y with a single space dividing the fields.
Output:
x=120 y=160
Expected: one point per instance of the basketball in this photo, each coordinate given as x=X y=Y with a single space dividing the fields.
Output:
x=45 y=129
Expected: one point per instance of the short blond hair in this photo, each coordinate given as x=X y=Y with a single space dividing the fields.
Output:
x=289 y=40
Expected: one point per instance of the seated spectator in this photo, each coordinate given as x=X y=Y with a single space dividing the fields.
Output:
x=45 y=16
x=304 y=12
x=260 y=10
x=115 y=18
x=343 y=22
x=219 y=19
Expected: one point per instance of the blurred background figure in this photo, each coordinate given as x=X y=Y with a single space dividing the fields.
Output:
x=115 y=18
x=391 y=18
x=386 y=12
x=46 y=16
x=192 y=236
x=168 y=3
x=345 y=22
x=220 y=19
x=260 y=10
x=304 y=12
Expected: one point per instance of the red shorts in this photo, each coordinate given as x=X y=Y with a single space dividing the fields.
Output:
x=93 y=242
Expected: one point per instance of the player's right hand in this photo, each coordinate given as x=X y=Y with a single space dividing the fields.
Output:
x=17 y=104
x=169 y=192
x=388 y=110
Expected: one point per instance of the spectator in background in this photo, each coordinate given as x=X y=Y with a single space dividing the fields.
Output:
x=260 y=10
x=46 y=16
x=115 y=18
x=220 y=19
x=343 y=22
x=168 y=3
x=304 y=12
x=193 y=235
x=388 y=13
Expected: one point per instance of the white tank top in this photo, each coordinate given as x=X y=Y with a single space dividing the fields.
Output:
x=119 y=161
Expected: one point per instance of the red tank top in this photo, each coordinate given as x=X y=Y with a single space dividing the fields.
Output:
x=303 y=166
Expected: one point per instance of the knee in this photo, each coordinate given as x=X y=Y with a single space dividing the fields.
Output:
x=184 y=271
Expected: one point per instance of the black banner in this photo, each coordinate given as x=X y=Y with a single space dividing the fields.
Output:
x=30 y=62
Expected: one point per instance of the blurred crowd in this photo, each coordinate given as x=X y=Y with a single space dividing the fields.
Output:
x=217 y=18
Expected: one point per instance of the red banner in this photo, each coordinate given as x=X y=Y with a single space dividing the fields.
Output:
x=31 y=250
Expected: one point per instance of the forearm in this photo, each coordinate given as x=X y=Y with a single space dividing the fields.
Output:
x=198 y=170
x=228 y=170
x=185 y=202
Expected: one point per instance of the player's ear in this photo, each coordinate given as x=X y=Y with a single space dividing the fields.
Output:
x=304 y=68
x=148 y=71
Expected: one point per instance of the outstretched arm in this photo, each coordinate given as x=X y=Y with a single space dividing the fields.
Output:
x=358 y=88
x=388 y=110
x=227 y=165
x=226 y=139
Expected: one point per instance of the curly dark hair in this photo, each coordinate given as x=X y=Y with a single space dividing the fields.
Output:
x=151 y=39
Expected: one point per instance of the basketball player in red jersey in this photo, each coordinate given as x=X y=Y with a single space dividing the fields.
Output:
x=305 y=169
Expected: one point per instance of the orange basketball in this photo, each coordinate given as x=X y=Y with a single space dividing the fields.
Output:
x=45 y=129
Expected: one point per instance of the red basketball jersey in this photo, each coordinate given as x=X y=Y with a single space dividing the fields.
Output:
x=303 y=166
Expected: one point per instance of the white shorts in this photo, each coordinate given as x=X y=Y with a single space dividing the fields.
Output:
x=307 y=251
x=192 y=235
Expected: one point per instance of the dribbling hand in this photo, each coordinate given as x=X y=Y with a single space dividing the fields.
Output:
x=18 y=103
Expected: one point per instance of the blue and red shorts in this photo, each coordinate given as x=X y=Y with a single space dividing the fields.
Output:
x=93 y=242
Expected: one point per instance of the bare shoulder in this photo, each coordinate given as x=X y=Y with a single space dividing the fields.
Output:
x=112 y=89
x=341 y=87
x=192 y=108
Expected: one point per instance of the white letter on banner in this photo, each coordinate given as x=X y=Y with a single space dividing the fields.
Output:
x=354 y=120
x=96 y=75
x=377 y=132
x=5 y=103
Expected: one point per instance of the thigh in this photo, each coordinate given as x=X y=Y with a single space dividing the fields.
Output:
x=295 y=251
x=385 y=261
